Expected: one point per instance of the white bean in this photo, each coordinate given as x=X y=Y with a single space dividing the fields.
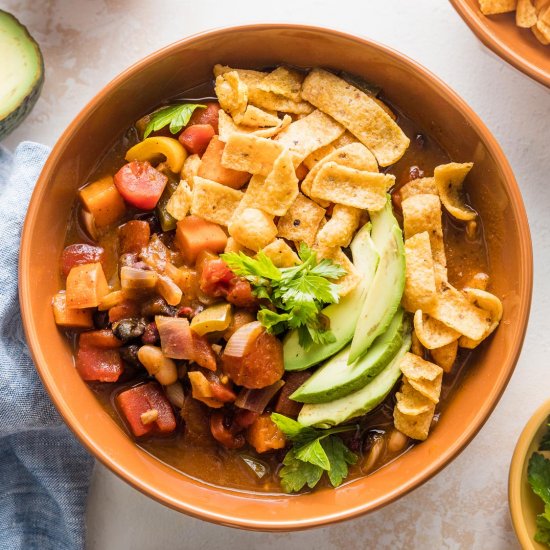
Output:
x=158 y=365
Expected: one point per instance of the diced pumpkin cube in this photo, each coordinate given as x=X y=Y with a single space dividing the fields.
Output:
x=86 y=285
x=264 y=435
x=193 y=235
x=103 y=201
x=70 y=318
x=133 y=236
x=103 y=339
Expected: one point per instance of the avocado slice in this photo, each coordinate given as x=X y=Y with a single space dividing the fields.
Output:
x=21 y=73
x=336 y=379
x=383 y=297
x=343 y=315
x=325 y=415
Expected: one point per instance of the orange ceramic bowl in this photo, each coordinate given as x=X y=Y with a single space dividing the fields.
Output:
x=516 y=45
x=438 y=112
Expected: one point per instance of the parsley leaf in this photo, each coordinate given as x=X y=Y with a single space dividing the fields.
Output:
x=538 y=474
x=314 y=452
x=543 y=529
x=298 y=293
x=177 y=116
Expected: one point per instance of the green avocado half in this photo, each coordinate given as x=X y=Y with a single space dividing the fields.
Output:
x=21 y=73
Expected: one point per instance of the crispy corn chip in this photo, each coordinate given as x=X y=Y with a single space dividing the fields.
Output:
x=341 y=227
x=543 y=24
x=431 y=332
x=526 y=14
x=234 y=246
x=249 y=77
x=232 y=93
x=275 y=193
x=540 y=5
x=281 y=254
x=411 y=402
x=423 y=376
x=420 y=286
x=250 y=153
x=416 y=346
x=419 y=186
x=301 y=222
x=423 y=213
x=351 y=279
x=345 y=139
x=415 y=427
x=309 y=134
x=213 y=201
x=228 y=127
x=180 y=202
x=253 y=228
x=479 y=280
x=312 y=159
x=488 y=302
x=190 y=169
x=449 y=179
x=353 y=155
x=445 y=356
x=357 y=188
x=457 y=312
x=284 y=82
x=358 y=112
x=493 y=7
x=539 y=36
x=257 y=118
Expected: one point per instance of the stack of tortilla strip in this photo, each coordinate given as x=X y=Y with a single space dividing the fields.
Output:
x=309 y=143
x=445 y=318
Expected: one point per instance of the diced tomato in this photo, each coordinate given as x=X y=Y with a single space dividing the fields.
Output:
x=196 y=138
x=124 y=310
x=264 y=435
x=220 y=392
x=79 y=254
x=140 y=399
x=284 y=404
x=206 y=116
x=104 y=339
x=99 y=364
x=202 y=353
x=240 y=293
x=215 y=277
x=245 y=418
x=211 y=166
x=133 y=236
x=193 y=235
x=140 y=184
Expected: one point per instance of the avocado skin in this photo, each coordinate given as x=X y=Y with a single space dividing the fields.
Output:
x=367 y=367
x=16 y=117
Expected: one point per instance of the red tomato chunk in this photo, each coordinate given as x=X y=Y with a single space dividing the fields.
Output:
x=140 y=184
x=196 y=138
x=99 y=364
x=215 y=278
x=206 y=116
x=80 y=254
x=134 y=402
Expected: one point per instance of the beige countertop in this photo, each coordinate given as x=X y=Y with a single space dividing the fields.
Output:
x=87 y=43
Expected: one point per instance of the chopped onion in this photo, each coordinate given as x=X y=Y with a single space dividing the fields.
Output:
x=88 y=221
x=175 y=394
x=169 y=290
x=257 y=400
x=132 y=278
x=176 y=339
x=259 y=468
x=242 y=339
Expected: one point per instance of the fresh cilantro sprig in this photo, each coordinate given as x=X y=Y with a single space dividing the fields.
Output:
x=538 y=475
x=177 y=116
x=298 y=293
x=313 y=453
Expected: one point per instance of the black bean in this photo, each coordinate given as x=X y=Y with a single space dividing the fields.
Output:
x=128 y=329
x=152 y=219
x=157 y=306
x=129 y=354
x=101 y=319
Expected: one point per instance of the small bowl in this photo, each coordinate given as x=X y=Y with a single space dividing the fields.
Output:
x=436 y=110
x=524 y=504
x=515 y=45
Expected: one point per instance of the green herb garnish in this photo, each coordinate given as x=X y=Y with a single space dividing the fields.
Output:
x=298 y=293
x=538 y=475
x=177 y=116
x=314 y=452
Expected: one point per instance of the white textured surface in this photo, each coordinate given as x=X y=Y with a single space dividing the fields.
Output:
x=87 y=43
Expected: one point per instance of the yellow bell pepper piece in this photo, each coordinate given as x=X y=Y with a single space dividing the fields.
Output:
x=213 y=319
x=150 y=148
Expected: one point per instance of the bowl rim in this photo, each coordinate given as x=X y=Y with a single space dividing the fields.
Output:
x=475 y=22
x=516 y=473
x=443 y=459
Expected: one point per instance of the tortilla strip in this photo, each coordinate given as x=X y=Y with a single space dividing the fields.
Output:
x=432 y=333
x=493 y=7
x=351 y=279
x=357 y=188
x=309 y=134
x=232 y=93
x=411 y=402
x=526 y=14
x=445 y=356
x=213 y=201
x=419 y=186
x=354 y=155
x=301 y=222
x=281 y=254
x=488 y=302
x=227 y=127
x=423 y=213
x=357 y=112
x=250 y=153
x=414 y=426
x=449 y=179
x=422 y=375
x=341 y=227
x=457 y=312
x=253 y=116
x=284 y=82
